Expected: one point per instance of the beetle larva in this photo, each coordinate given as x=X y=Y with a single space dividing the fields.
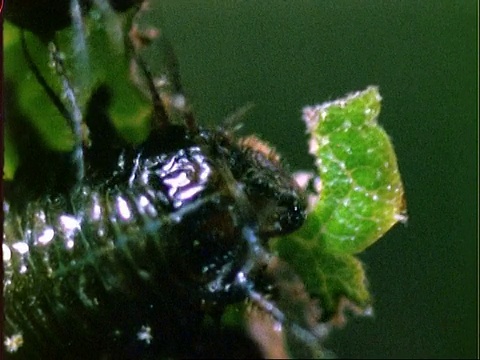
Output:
x=127 y=251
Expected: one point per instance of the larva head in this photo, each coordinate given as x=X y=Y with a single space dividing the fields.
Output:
x=276 y=198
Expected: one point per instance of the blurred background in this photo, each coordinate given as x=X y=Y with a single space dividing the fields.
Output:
x=283 y=55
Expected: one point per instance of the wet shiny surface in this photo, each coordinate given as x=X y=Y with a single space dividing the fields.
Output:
x=158 y=241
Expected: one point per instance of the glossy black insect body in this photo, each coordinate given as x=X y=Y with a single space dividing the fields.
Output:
x=131 y=257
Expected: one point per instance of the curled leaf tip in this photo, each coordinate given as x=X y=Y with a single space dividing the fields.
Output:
x=362 y=193
x=358 y=196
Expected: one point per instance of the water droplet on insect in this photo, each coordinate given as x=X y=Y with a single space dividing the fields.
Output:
x=46 y=236
x=123 y=209
x=21 y=247
x=7 y=254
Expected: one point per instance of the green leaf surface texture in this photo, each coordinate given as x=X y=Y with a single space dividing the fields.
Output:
x=104 y=63
x=361 y=189
x=360 y=197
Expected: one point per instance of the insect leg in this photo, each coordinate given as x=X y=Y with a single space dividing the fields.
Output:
x=79 y=41
x=75 y=117
x=160 y=114
x=161 y=117
x=26 y=138
x=166 y=90
x=177 y=99
x=287 y=302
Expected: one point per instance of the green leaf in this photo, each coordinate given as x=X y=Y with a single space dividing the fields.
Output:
x=361 y=197
x=328 y=277
x=103 y=62
x=362 y=192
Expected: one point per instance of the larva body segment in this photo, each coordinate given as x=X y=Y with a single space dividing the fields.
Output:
x=161 y=239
